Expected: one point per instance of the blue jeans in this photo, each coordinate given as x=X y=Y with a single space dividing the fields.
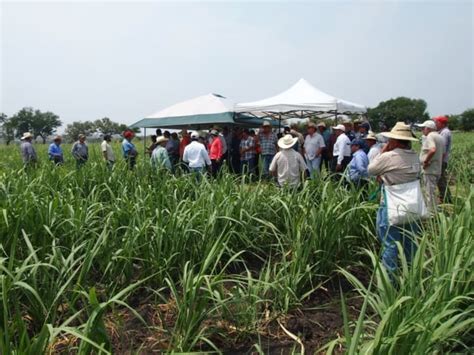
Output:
x=267 y=160
x=390 y=235
x=248 y=166
x=313 y=166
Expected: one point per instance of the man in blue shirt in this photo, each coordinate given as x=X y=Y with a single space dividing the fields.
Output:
x=358 y=173
x=128 y=148
x=55 y=152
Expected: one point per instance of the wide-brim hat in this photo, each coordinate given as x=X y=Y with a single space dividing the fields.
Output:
x=401 y=131
x=311 y=124
x=287 y=141
x=26 y=135
x=371 y=135
x=321 y=124
x=161 y=139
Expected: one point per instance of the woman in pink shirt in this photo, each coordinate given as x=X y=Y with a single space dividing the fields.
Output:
x=215 y=153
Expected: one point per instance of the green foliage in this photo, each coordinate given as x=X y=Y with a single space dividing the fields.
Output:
x=7 y=131
x=38 y=123
x=102 y=126
x=399 y=109
x=467 y=120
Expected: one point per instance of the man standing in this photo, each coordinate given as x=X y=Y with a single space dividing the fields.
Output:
x=296 y=134
x=247 y=153
x=374 y=147
x=431 y=157
x=313 y=147
x=128 y=149
x=160 y=158
x=107 y=151
x=342 y=151
x=185 y=140
x=55 y=152
x=348 y=129
x=215 y=152
x=288 y=164
x=444 y=131
x=397 y=164
x=28 y=153
x=325 y=155
x=80 y=151
x=268 y=143
x=358 y=173
x=195 y=155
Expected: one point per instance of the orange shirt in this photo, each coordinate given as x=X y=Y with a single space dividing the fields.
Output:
x=215 y=149
x=184 y=142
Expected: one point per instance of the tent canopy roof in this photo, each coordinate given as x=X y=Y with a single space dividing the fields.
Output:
x=300 y=100
x=199 y=112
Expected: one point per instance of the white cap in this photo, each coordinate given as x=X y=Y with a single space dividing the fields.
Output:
x=266 y=123
x=428 y=124
x=194 y=135
x=339 y=127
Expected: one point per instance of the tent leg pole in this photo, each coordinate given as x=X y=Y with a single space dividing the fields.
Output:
x=144 y=142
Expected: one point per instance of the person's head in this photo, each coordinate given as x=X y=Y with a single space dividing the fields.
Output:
x=158 y=132
x=286 y=130
x=294 y=126
x=311 y=127
x=107 y=137
x=167 y=134
x=364 y=127
x=339 y=129
x=57 y=140
x=174 y=136
x=266 y=127
x=82 y=138
x=321 y=126
x=252 y=133
x=348 y=126
x=194 y=136
x=287 y=141
x=245 y=133
x=153 y=138
x=427 y=127
x=441 y=122
x=356 y=144
x=214 y=134
x=161 y=140
x=225 y=130
x=128 y=135
x=27 y=136
x=400 y=136
x=371 y=139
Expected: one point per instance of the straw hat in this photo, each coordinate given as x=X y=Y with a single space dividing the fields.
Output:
x=287 y=141
x=428 y=124
x=311 y=124
x=26 y=135
x=321 y=124
x=161 y=139
x=371 y=135
x=401 y=131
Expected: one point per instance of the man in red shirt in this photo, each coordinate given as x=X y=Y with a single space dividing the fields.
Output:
x=215 y=152
x=185 y=140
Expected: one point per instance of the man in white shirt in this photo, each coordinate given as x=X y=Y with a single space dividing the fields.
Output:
x=195 y=155
x=341 y=151
x=288 y=164
x=107 y=151
x=313 y=147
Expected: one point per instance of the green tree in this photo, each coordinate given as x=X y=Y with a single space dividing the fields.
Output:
x=467 y=120
x=7 y=131
x=107 y=126
x=73 y=130
x=454 y=122
x=399 y=109
x=38 y=123
x=102 y=126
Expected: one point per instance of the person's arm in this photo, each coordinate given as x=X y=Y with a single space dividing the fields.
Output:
x=274 y=165
x=427 y=162
x=166 y=160
x=74 y=151
x=206 y=157
x=378 y=165
x=219 y=149
x=322 y=145
x=185 y=155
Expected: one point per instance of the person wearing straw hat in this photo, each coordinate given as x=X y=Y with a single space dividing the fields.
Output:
x=160 y=158
x=55 y=152
x=288 y=164
x=313 y=148
x=442 y=126
x=27 y=150
x=80 y=151
x=396 y=164
x=431 y=157
x=341 y=151
x=374 y=147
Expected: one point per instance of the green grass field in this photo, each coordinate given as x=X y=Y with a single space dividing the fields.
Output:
x=99 y=261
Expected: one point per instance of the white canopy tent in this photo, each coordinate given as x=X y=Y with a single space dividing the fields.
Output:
x=301 y=100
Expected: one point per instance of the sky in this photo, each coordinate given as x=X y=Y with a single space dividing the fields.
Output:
x=125 y=60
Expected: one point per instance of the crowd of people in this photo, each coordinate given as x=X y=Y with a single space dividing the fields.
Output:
x=350 y=152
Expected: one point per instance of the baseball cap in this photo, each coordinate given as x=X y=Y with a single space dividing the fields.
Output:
x=339 y=127
x=194 y=135
x=441 y=119
x=428 y=124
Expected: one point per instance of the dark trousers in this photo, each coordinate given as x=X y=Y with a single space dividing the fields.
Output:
x=444 y=192
x=344 y=164
x=215 y=167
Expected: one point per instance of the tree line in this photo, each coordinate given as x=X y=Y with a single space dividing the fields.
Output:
x=44 y=124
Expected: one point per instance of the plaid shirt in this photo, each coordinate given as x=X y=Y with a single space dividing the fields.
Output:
x=247 y=143
x=268 y=143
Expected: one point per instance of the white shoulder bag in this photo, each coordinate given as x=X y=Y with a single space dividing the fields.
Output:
x=404 y=203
